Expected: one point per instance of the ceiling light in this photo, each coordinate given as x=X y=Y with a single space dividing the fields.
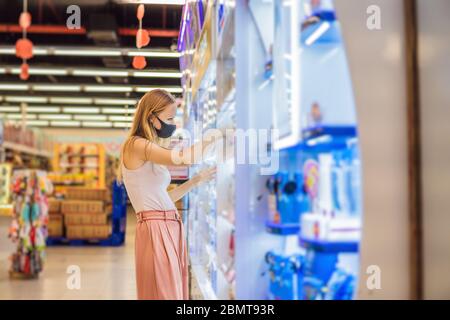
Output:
x=90 y=117
x=100 y=73
x=84 y=88
x=122 y=124
x=118 y=110
x=20 y=87
x=97 y=124
x=115 y=101
x=40 y=71
x=108 y=88
x=38 y=123
x=156 y=74
x=169 y=89
x=55 y=117
x=43 y=109
x=121 y=118
x=86 y=52
x=104 y=72
x=19 y=116
x=91 y=51
x=9 y=109
x=50 y=87
x=25 y=99
x=71 y=100
x=65 y=123
x=153 y=54
x=89 y=110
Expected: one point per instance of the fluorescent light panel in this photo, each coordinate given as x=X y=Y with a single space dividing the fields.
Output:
x=92 y=52
x=84 y=88
x=59 y=87
x=121 y=118
x=65 y=123
x=25 y=99
x=119 y=110
x=43 y=109
x=88 y=110
x=70 y=101
x=102 y=124
x=98 y=88
x=9 y=109
x=90 y=117
x=18 y=116
x=101 y=73
x=122 y=124
x=55 y=117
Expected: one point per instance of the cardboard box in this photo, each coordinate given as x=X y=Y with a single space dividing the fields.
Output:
x=85 y=219
x=74 y=193
x=80 y=206
x=54 y=206
x=55 y=225
x=88 y=232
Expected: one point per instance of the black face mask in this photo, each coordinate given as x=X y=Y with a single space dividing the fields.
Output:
x=166 y=129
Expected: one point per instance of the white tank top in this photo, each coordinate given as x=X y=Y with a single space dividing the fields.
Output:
x=147 y=187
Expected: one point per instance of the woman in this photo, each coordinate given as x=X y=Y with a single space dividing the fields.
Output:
x=160 y=246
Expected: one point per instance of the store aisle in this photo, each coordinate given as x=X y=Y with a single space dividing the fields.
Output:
x=106 y=272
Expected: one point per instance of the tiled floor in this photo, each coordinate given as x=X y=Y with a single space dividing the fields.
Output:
x=106 y=272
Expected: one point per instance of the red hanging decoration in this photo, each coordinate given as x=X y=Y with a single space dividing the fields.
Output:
x=140 y=12
x=142 y=38
x=24 y=48
x=139 y=62
x=25 y=20
x=24 y=71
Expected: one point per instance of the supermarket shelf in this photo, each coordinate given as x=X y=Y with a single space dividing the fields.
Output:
x=330 y=247
x=25 y=149
x=6 y=210
x=78 y=166
x=282 y=229
x=69 y=183
x=105 y=242
x=203 y=283
x=78 y=155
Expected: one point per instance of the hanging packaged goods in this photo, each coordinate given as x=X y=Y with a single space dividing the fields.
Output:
x=29 y=224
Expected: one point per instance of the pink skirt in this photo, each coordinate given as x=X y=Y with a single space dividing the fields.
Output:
x=161 y=256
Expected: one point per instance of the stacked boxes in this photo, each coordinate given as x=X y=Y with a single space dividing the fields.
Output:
x=86 y=213
x=55 y=222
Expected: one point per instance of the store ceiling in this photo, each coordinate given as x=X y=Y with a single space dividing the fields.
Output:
x=87 y=70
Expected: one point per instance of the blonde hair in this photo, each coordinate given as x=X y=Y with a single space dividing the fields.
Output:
x=152 y=103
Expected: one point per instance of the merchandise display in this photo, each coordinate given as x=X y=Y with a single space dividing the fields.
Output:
x=209 y=103
x=29 y=225
x=88 y=216
x=313 y=201
x=79 y=164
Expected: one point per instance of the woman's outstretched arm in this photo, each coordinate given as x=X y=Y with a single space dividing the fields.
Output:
x=203 y=176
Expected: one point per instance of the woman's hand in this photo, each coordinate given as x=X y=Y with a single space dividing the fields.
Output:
x=205 y=175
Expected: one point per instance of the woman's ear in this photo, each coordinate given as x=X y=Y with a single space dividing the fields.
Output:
x=154 y=121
